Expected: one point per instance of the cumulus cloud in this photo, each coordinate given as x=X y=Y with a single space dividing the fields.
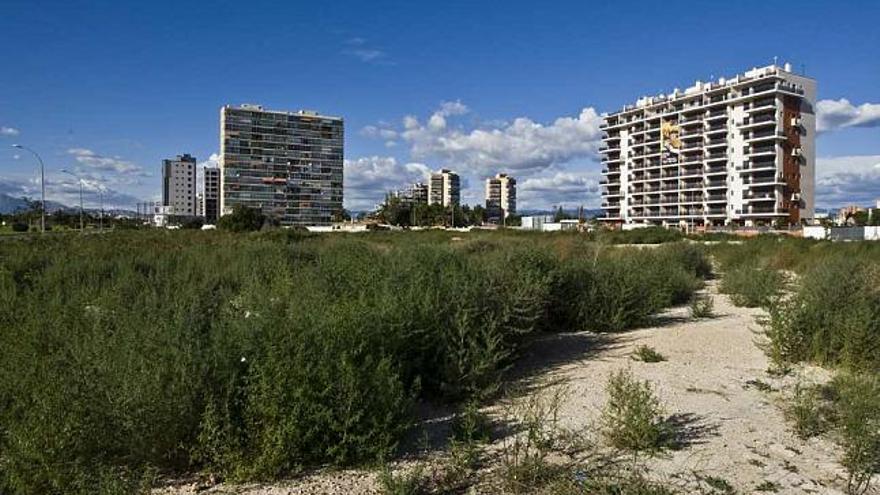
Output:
x=567 y=189
x=9 y=131
x=212 y=161
x=837 y=114
x=367 y=179
x=847 y=180
x=522 y=146
x=90 y=159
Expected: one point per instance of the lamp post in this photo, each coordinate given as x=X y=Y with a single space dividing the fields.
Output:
x=42 y=186
x=81 y=223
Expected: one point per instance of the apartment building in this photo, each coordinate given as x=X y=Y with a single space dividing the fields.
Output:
x=211 y=194
x=737 y=151
x=288 y=164
x=179 y=186
x=501 y=196
x=416 y=193
x=444 y=188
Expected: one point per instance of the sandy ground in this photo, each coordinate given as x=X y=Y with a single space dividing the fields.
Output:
x=732 y=426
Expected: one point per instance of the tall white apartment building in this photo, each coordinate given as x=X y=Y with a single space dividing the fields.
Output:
x=737 y=151
x=501 y=195
x=444 y=188
x=179 y=186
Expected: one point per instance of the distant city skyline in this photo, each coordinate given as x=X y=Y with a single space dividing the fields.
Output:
x=110 y=89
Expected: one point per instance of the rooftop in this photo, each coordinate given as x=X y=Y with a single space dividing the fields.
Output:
x=700 y=87
x=301 y=113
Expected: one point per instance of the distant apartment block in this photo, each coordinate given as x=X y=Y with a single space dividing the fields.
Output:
x=737 y=151
x=501 y=196
x=211 y=194
x=444 y=188
x=179 y=186
x=287 y=164
x=416 y=193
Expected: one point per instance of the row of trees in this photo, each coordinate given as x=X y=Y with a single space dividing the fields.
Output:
x=394 y=211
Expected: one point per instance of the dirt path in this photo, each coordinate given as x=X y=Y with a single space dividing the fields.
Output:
x=714 y=385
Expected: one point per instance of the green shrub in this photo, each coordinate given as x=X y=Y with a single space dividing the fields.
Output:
x=702 y=306
x=832 y=319
x=752 y=287
x=805 y=412
x=647 y=354
x=633 y=416
x=256 y=356
x=858 y=424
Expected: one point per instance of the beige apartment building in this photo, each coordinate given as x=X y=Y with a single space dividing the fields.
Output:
x=444 y=188
x=501 y=196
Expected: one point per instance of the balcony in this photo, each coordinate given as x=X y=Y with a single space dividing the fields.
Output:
x=759 y=197
x=774 y=179
x=716 y=198
x=716 y=184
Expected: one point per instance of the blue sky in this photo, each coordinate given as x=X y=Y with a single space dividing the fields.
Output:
x=108 y=89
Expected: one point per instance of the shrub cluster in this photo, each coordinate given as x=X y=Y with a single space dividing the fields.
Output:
x=255 y=355
x=833 y=318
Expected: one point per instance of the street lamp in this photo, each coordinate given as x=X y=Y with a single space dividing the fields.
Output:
x=42 y=186
x=81 y=224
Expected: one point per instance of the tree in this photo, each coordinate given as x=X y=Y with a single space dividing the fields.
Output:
x=560 y=215
x=242 y=219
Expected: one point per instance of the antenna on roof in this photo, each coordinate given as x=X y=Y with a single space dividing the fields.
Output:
x=775 y=58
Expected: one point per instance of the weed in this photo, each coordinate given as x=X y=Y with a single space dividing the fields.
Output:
x=411 y=482
x=647 y=354
x=633 y=416
x=805 y=412
x=767 y=486
x=702 y=306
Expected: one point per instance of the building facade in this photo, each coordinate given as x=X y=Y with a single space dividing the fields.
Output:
x=179 y=186
x=501 y=196
x=211 y=194
x=416 y=193
x=444 y=188
x=735 y=151
x=287 y=164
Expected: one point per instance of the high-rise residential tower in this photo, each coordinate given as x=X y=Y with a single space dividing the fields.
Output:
x=737 y=151
x=288 y=164
x=211 y=194
x=444 y=188
x=501 y=195
x=179 y=186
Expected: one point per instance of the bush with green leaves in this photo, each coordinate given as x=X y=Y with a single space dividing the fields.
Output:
x=752 y=286
x=833 y=317
x=256 y=356
x=633 y=415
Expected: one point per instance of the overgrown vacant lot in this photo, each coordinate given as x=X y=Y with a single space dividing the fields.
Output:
x=257 y=356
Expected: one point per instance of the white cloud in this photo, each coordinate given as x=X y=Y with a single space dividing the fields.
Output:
x=367 y=179
x=567 y=189
x=9 y=131
x=63 y=189
x=360 y=49
x=212 y=161
x=90 y=159
x=847 y=180
x=522 y=146
x=837 y=114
